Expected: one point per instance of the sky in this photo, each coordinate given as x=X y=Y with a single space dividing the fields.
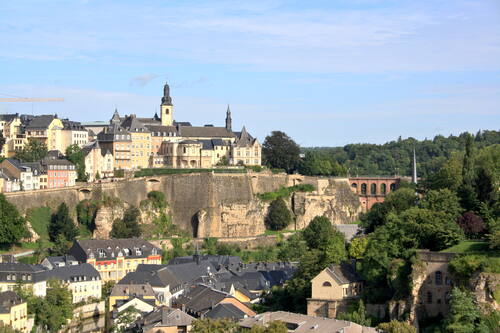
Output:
x=326 y=72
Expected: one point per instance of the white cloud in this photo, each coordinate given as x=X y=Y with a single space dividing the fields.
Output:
x=413 y=36
x=142 y=80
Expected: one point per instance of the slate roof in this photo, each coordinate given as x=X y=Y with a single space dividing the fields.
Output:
x=343 y=273
x=72 y=125
x=133 y=124
x=8 y=299
x=150 y=277
x=200 y=299
x=8 y=117
x=110 y=248
x=40 y=122
x=166 y=317
x=226 y=310
x=74 y=273
x=133 y=290
x=18 y=270
x=243 y=139
x=54 y=261
x=224 y=260
x=205 y=132
x=162 y=130
x=349 y=230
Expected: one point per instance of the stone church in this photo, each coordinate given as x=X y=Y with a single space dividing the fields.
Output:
x=162 y=141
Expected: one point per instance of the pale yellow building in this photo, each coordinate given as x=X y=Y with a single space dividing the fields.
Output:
x=332 y=289
x=123 y=293
x=98 y=162
x=82 y=280
x=13 y=311
x=114 y=258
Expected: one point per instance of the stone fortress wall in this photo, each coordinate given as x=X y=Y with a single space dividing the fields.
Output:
x=210 y=204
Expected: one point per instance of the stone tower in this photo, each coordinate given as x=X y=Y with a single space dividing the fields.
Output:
x=229 y=121
x=167 y=109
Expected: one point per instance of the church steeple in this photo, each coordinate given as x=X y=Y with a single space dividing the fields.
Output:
x=166 y=99
x=166 y=107
x=229 y=121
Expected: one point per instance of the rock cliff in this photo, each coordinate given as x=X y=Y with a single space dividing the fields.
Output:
x=207 y=204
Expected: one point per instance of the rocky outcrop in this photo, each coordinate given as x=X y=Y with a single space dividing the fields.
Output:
x=104 y=220
x=483 y=286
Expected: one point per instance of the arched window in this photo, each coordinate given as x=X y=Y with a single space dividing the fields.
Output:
x=327 y=284
x=383 y=189
x=439 y=277
x=392 y=187
x=363 y=188
x=355 y=187
x=373 y=189
x=429 y=297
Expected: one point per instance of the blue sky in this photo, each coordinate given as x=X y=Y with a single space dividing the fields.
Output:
x=326 y=72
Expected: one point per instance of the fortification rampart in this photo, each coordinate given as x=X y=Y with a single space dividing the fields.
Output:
x=224 y=204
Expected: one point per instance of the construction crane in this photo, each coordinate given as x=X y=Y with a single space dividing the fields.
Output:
x=31 y=99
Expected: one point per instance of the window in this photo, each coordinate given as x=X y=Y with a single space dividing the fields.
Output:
x=363 y=188
x=373 y=189
x=439 y=277
x=327 y=284
x=429 y=297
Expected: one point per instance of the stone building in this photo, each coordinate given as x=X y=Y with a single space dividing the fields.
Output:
x=432 y=284
x=163 y=142
x=98 y=161
x=332 y=290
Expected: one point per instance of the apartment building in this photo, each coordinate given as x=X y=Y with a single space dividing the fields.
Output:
x=13 y=311
x=114 y=258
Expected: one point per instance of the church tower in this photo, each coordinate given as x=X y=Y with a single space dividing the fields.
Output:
x=229 y=121
x=167 y=109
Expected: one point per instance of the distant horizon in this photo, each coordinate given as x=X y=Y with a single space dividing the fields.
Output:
x=327 y=73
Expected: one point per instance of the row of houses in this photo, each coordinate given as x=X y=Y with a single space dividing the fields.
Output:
x=131 y=142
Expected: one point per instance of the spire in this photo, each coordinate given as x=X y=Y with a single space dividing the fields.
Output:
x=229 y=121
x=414 y=174
x=166 y=99
x=116 y=117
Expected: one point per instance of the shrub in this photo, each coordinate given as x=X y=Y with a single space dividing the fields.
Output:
x=279 y=216
x=158 y=199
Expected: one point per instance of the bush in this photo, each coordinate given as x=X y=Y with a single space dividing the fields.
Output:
x=86 y=211
x=128 y=227
x=284 y=192
x=279 y=217
x=158 y=199
x=119 y=173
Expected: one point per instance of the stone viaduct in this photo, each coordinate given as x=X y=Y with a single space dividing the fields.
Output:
x=373 y=189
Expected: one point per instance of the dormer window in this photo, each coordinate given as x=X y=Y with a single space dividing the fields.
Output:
x=154 y=251
x=101 y=253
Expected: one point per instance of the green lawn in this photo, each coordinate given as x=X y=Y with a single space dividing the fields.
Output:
x=468 y=247
x=40 y=218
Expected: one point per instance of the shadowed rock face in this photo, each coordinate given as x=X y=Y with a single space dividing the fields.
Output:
x=216 y=205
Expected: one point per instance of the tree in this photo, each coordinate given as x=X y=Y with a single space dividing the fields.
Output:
x=466 y=191
x=292 y=249
x=395 y=326
x=320 y=164
x=357 y=247
x=279 y=216
x=128 y=227
x=61 y=246
x=75 y=155
x=210 y=245
x=208 y=325
x=442 y=200
x=53 y=311
x=463 y=313
x=4 y=328
x=61 y=223
x=357 y=316
x=86 y=211
x=334 y=252
x=12 y=224
x=472 y=225
x=33 y=151
x=125 y=319
x=318 y=232
x=280 y=151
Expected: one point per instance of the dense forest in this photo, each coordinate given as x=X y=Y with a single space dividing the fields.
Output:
x=394 y=157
